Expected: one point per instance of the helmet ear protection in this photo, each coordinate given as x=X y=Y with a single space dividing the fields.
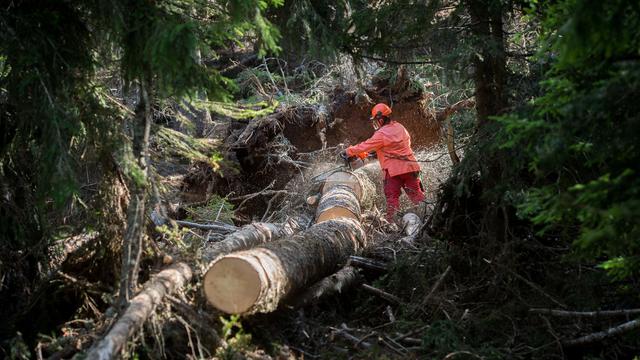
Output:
x=378 y=120
x=380 y=115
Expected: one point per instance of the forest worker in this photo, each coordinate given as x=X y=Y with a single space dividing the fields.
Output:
x=392 y=144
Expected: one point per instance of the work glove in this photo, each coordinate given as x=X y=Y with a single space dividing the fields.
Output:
x=363 y=155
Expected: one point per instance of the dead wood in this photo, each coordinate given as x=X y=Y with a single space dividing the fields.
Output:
x=139 y=309
x=216 y=226
x=599 y=336
x=436 y=286
x=255 y=234
x=585 y=314
x=366 y=263
x=445 y=116
x=383 y=294
x=335 y=283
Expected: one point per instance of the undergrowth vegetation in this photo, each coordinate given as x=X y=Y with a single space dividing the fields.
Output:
x=102 y=106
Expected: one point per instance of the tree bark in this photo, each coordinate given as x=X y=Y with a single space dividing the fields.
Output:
x=334 y=283
x=586 y=314
x=599 y=336
x=140 y=308
x=132 y=245
x=256 y=280
x=255 y=234
x=490 y=64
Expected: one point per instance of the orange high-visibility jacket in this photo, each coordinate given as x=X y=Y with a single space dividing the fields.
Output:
x=392 y=144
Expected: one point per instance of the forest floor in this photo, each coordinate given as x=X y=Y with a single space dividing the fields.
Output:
x=428 y=297
x=355 y=321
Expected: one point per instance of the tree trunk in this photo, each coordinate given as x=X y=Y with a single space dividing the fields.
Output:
x=490 y=65
x=257 y=280
x=140 y=308
x=255 y=234
x=132 y=245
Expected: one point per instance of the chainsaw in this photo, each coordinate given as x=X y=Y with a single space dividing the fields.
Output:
x=357 y=161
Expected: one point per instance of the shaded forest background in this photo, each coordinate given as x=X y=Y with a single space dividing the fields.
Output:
x=540 y=212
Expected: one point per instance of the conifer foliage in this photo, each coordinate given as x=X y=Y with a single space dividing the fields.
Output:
x=61 y=128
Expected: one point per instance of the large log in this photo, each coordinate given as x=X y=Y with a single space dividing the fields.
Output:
x=139 y=309
x=256 y=280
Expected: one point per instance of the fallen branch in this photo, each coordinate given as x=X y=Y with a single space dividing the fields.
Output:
x=366 y=263
x=219 y=227
x=585 y=314
x=411 y=333
x=531 y=284
x=139 y=309
x=383 y=294
x=335 y=283
x=595 y=337
x=436 y=286
x=159 y=219
x=357 y=342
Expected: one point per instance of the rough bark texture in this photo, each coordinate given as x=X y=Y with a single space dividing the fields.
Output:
x=335 y=283
x=139 y=309
x=134 y=236
x=490 y=73
x=255 y=234
x=257 y=280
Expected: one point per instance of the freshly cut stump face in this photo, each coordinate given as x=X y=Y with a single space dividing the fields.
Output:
x=232 y=285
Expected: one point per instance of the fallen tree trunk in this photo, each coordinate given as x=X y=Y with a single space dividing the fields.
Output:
x=256 y=280
x=139 y=309
x=255 y=234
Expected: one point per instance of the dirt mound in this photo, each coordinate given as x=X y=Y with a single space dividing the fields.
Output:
x=353 y=126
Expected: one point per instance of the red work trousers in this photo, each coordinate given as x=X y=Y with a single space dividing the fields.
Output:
x=392 y=190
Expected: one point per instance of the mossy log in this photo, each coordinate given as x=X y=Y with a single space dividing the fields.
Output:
x=256 y=280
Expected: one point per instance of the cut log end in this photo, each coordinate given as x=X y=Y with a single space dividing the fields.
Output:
x=334 y=213
x=232 y=285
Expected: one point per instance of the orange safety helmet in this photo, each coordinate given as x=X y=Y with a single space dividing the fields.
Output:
x=378 y=115
x=380 y=110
